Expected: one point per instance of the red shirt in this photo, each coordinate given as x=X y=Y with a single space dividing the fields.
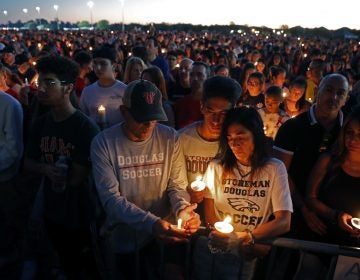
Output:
x=187 y=111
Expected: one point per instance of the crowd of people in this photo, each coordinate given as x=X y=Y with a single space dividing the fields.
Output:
x=112 y=131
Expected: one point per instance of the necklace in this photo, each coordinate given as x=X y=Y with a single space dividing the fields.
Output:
x=242 y=173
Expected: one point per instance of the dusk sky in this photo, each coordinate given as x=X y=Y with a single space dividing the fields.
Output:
x=307 y=13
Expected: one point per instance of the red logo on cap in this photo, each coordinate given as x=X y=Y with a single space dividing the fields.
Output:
x=149 y=97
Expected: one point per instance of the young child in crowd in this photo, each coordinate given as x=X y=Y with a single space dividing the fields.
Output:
x=272 y=116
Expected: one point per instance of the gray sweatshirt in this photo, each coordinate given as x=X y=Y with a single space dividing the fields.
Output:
x=11 y=136
x=137 y=182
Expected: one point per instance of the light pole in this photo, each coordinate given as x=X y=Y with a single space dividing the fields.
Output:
x=38 y=11
x=91 y=5
x=25 y=11
x=122 y=15
x=5 y=13
x=56 y=8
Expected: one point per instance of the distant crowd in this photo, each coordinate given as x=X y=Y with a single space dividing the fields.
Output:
x=143 y=146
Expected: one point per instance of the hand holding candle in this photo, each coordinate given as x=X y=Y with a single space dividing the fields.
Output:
x=197 y=190
x=223 y=239
x=190 y=220
x=198 y=185
x=224 y=226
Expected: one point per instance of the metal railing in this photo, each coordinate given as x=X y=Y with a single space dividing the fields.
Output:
x=287 y=243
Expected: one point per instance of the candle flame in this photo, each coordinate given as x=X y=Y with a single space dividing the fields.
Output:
x=101 y=108
x=227 y=219
x=355 y=222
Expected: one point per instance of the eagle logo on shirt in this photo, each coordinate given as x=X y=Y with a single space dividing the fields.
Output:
x=241 y=204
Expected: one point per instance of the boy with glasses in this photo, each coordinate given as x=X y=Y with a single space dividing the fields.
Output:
x=63 y=133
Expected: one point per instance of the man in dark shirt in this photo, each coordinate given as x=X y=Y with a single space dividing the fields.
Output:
x=301 y=140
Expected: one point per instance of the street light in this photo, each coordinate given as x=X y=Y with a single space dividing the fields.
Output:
x=56 y=8
x=25 y=11
x=5 y=14
x=122 y=14
x=90 y=5
x=38 y=11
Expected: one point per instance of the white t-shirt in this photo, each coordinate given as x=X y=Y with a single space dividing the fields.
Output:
x=197 y=151
x=249 y=199
x=272 y=121
x=110 y=97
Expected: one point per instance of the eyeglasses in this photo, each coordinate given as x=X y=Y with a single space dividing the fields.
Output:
x=49 y=83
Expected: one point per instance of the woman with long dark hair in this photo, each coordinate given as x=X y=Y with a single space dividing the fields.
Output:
x=334 y=186
x=248 y=186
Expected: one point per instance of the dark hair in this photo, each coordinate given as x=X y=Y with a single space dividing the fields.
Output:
x=219 y=67
x=157 y=78
x=251 y=120
x=200 y=63
x=106 y=51
x=258 y=75
x=64 y=68
x=274 y=91
x=82 y=57
x=223 y=87
x=301 y=83
x=276 y=70
x=339 y=152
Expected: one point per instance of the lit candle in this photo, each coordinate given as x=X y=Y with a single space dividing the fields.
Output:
x=309 y=99
x=101 y=114
x=179 y=223
x=90 y=48
x=130 y=54
x=284 y=94
x=265 y=130
x=355 y=222
x=224 y=226
x=197 y=185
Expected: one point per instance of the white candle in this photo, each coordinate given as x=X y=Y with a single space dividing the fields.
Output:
x=355 y=222
x=179 y=223
x=197 y=185
x=101 y=114
x=224 y=226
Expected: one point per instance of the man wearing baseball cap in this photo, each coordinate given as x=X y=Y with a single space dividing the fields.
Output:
x=140 y=177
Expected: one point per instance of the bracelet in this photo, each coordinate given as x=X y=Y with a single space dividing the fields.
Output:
x=251 y=242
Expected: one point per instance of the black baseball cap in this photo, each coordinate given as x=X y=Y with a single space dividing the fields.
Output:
x=144 y=101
